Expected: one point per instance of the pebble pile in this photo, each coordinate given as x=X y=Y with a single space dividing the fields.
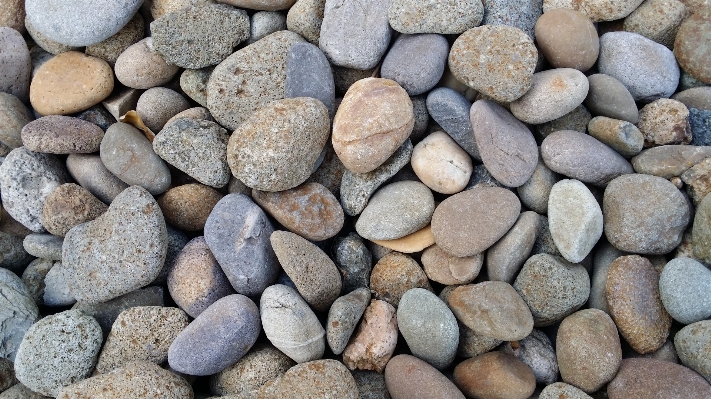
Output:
x=374 y=199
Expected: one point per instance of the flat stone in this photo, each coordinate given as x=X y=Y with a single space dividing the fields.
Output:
x=140 y=66
x=157 y=105
x=682 y=287
x=395 y=274
x=451 y=111
x=409 y=377
x=416 y=62
x=110 y=48
x=690 y=47
x=521 y=14
x=90 y=173
x=568 y=39
x=58 y=134
x=372 y=346
x=14 y=115
x=15 y=63
x=535 y=192
x=494 y=375
x=260 y=365
x=308 y=74
x=505 y=258
x=70 y=205
x=596 y=10
x=692 y=343
x=553 y=93
x=658 y=20
x=268 y=5
x=187 y=207
x=668 y=161
x=696 y=97
x=664 y=121
x=17 y=313
x=410 y=243
x=608 y=97
x=313 y=379
x=651 y=378
x=120 y=102
x=45 y=246
x=537 y=352
x=574 y=218
x=343 y=318
x=197 y=113
x=446 y=269
x=620 y=135
x=453 y=18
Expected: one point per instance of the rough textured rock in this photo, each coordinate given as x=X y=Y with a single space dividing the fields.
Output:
x=562 y=390
x=692 y=343
x=14 y=115
x=110 y=48
x=658 y=20
x=409 y=377
x=260 y=365
x=343 y=318
x=57 y=134
x=318 y=378
x=353 y=260
x=16 y=63
x=596 y=10
x=682 y=287
x=416 y=62
x=69 y=205
x=395 y=274
x=452 y=18
x=372 y=346
x=664 y=121
x=17 y=313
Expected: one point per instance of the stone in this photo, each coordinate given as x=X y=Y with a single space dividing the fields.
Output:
x=309 y=210
x=176 y=242
x=17 y=313
x=110 y=48
x=14 y=257
x=360 y=143
x=121 y=102
x=127 y=153
x=493 y=309
x=45 y=43
x=26 y=179
x=343 y=318
x=658 y=20
x=478 y=55
x=505 y=258
x=90 y=173
x=19 y=391
x=305 y=18
x=446 y=269
x=521 y=14
x=574 y=218
x=696 y=97
x=15 y=63
x=313 y=379
x=45 y=246
x=14 y=116
x=353 y=260
x=290 y=325
x=651 y=378
x=57 y=351
x=701 y=230
x=692 y=343
x=700 y=124
x=608 y=97
x=416 y=62
x=664 y=121
x=395 y=274
x=56 y=134
x=7 y=374
x=157 y=105
x=263 y=23
x=33 y=278
x=490 y=213
x=196 y=113
x=472 y=344
x=193 y=82
x=646 y=68
x=237 y=232
x=535 y=192
x=682 y=287
x=567 y=39
x=118 y=252
x=668 y=161
x=140 y=66
x=315 y=275
x=537 y=352
x=620 y=135
x=453 y=18
x=14 y=14
x=308 y=74
x=696 y=181
x=495 y=375
x=644 y=214
x=330 y=172
x=562 y=390
x=451 y=111
x=596 y=10
x=372 y=346
x=158 y=8
x=507 y=147
x=409 y=377
x=603 y=257
x=187 y=207
x=371 y=384
x=56 y=290
x=553 y=93
x=67 y=206
x=141 y=333
x=690 y=44
x=410 y=243
x=199 y=36
x=577 y=120
x=260 y=365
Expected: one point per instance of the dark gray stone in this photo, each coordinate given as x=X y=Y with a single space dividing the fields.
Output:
x=354 y=261
x=451 y=111
x=90 y=173
x=99 y=116
x=416 y=62
x=18 y=311
x=308 y=74
x=700 y=122
x=343 y=318
x=13 y=255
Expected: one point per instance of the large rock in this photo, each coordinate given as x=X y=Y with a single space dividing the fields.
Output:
x=691 y=44
x=315 y=379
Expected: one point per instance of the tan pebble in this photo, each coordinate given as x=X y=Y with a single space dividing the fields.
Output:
x=495 y=375
x=441 y=164
x=69 y=205
x=411 y=243
x=261 y=364
x=408 y=377
x=188 y=206
x=568 y=39
x=374 y=343
x=141 y=67
x=394 y=274
x=620 y=135
x=449 y=270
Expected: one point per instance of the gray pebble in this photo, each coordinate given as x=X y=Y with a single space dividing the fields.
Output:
x=59 y=134
x=451 y=111
x=33 y=277
x=38 y=56
x=505 y=258
x=537 y=352
x=90 y=173
x=140 y=66
x=56 y=290
x=354 y=261
x=343 y=318
x=19 y=391
x=521 y=14
x=110 y=49
x=13 y=255
x=574 y=219
x=608 y=97
x=416 y=62
x=157 y=105
x=99 y=116
x=683 y=287
x=193 y=82
x=13 y=116
x=45 y=246
x=264 y=23
x=455 y=17
x=308 y=74
x=176 y=242
x=15 y=64
x=536 y=191
x=371 y=384
x=577 y=120
x=620 y=135
x=700 y=123
x=422 y=117
x=51 y=46
x=18 y=311
x=692 y=343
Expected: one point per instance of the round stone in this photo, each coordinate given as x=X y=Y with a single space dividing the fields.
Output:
x=574 y=219
x=521 y=14
x=683 y=285
x=57 y=134
x=69 y=205
x=343 y=318
x=608 y=97
x=416 y=62
x=692 y=345
x=664 y=121
x=651 y=378
x=187 y=207
x=553 y=93
x=691 y=45
x=157 y=105
x=260 y=365
x=409 y=377
x=372 y=346
x=407 y=16
x=305 y=18
x=13 y=117
x=495 y=375
x=140 y=66
x=562 y=390
x=395 y=274
x=620 y=135
x=315 y=379
x=450 y=270
x=90 y=173
x=568 y=39
x=15 y=63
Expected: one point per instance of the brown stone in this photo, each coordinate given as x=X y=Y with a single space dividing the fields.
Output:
x=692 y=45
x=408 y=377
x=13 y=14
x=664 y=121
x=372 y=346
x=411 y=243
x=635 y=306
x=495 y=375
x=69 y=205
x=698 y=180
x=394 y=274
x=260 y=365
x=69 y=83
x=449 y=270
x=668 y=161
x=656 y=379
x=188 y=206
x=658 y=20
x=375 y=117
x=568 y=39
x=315 y=379
x=58 y=134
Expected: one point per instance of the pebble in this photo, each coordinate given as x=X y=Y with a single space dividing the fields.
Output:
x=81 y=24
x=196 y=113
x=692 y=346
x=493 y=309
x=577 y=120
x=701 y=230
x=15 y=63
x=308 y=74
x=495 y=375
x=451 y=111
x=596 y=10
x=697 y=97
x=644 y=214
x=217 y=338
x=141 y=333
x=56 y=134
x=444 y=268
x=395 y=274
x=14 y=116
x=14 y=14
x=121 y=102
x=505 y=258
x=668 y=161
x=574 y=218
x=343 y=318
x=199 y=36
x=361 y=144
x=187 y=207
x=268 y=5
x=131 y=232
x=193 y=82
x=649 y=378
x=521 y=14
x=409 y=17
x=45 y=43
x=683 y=284
x=371 y=384
x=534 y=193
x=176 y=242
x=17 y=313
x=690 y=44
x=647 y=69
x=620 y=135
x=353 y=260
x=56 y=290
x=45 y=246
x=552 y=288
x=429 y=327
x=140 y=66
x=562 y=390
x=315 y=275
x=305 y=18
x=469 y=222
x=196 y=280
x=261 y=152
x=110 y=48
x=697 y=186
x=416 y=62
x=260 y=365
x=330 y=172
x=237 y=232
x=136 y=379
x=57 y=351
x=19 y=391
x=700 y=124
x=309 y=210
x=67 y=206
x=537 y=352
x=90 y=173
x=553 y=93
x=314 y=379
x=507 y=147
x=582 y=157
x=472 y=344
x=372 y=346
x=658 y=20
x=7 y=374
x=33 y=278
x=410 y=243
x=603 y=257
x=608 y=97
x=26 y=179
x=409 y=377
x=290 y=325
x=664 y=121
x=478 y=56
x=157 y=105
x=568 y=39
x=263 y=23
x=127 y=153
x=636 y=307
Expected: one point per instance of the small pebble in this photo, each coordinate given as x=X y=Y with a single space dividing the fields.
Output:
x=692 y=346
x=372 y=346
x=14 y=115
x=15 y=62
x=608 y=97
x=451 y=111
x=354 y=261
x=187 y=207
x=562 y=390
x=446 y=269
x=535 y=192
x=682 y=287
x=45 y=246
x=395 y=274
x=664 y=121
x=260 y=365
x=110 y=48
x=67 y=206
x=90 y=173
x=314 y=379
x=263 y=23
x=157 y=105
x=56 y=290
x=568 y=39
x=505 y=258
x=18 y=312
x=574 y=219
x=537 y=352
x=416 y=62
x=140 y=66
x=620 y=135
x=308 y=74
x=553 y=93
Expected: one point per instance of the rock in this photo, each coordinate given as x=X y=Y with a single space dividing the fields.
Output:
x=507 y=147
x=196 y=113
x=575 y=219
x=176 y=242
x=608 y=97
x=520 y=14
x=313 y=379
x=644 y=214
x=697 y=97
x=651 y=378
x=472 y=344
x=658 y=20
x=110 y=48
x=330 y=172
x=17 y=313
x=568 y=39
x=343 y=317
x=141 y=333
x=305 y=18
x=494 y=209
x=67 y=206
x=636 y=307
x=140 y=66
x=668 y=161
x=371 y=384
x=621 y=136
x=451 y=111
x=309 y=210
x=664 y=121
x=690 y=44
x=157 y=105
x=498 y=375
x=268 y=5
x=701 y=230
x=553 y=93
x=260 y=365
x=58 y=351
x=56 y=291
x=199 y=36
x=14 y=257
x=505 y=258
x=121 y=102
x=478 y=55
x=603 y=257
x=583 y=158
x=682 y=287
x=90 y=173
x=395 y=274
x=187 y=207
x=596 y=10
x=493 y=309
x=45 y=43
x=429 y=327
x=646 y=68
x=19 y=391
x=353 y=260
x=315 y=275
x=562 y=390
x=193 y=82
x=700 y=124
x=416 y=62
x=7 y=374
x=409 y=377
x=14 y=14
x=237 y=232
x=15 y=63
x=26 y=179
x=372 y=346
x=118 y=252
x=692 y=343
x=453 y=18
x=45 y=246
x=14 y=116
x=308 y=74
x=33 y=278
x=58 y=134
x=536 y=191
x=696 y=180
x=136 y=379
x=446 y=269
x=263 y=23
x=537 y=352
x=290 y=325
x=410 y=243
x=577 y=120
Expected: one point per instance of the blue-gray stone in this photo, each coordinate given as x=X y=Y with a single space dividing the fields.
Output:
x=416 y=62
x=308 y=74
x=451 y=111
x=18 y=311
x=521 y=14
x=217 y=338
x=684 y=287
x=237 y=232
x=700 y=122
x=354 y=261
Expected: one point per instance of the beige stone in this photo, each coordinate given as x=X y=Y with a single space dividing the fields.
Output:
x=394 y=274
x=411 y=243
x=664 y=121
x=568 y=39
x=449 y=270
x=442 y=164
x=495 y=375
x=188 y=206
x=374 y=343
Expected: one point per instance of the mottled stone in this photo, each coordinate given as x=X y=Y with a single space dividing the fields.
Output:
x=669 y=160
x=17 y=313
x=69 y=205
x=343 y=317
x=696 y=180
x=620 y=135
x=696 y=97
x=690 y=45
x=596 y=10
x=446 y=269
x=608 y=97
x=33 y=278
x=45 y=246
x=452 y=18
x=537 y=352
x=664 y=121
x=110 y=48
x=305 y=18
x=692 y=346
x=90 y=173
x=683 y=285
x=13 y=115
x=244 y=378
x=562 y=390
x=14 y=14
x=58 y=134
x=409 y=377
x=193 y=82
x=372 y=346
x=15 y=63
x=495 y=375
x=158 y=104
x=353 y=260
x=658 y=20
x=574 y=218
x=394 y=275
x=56 y=290
x=140 y=66
x=187 y=207
x=521 y=14
x=553 y=93
x=314 y=379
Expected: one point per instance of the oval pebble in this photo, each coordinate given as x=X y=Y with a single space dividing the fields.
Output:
x=67 y=206
x=495 y=375
x=608 y=97
x=446 y=269
x=90 y=173
x=568 y=39
x=620 y=135
x=140 y=66
x=651 y=378
x=553 y=93
x=157 y=105
x=110 y=48
x=308 y=74
x=664 y=121
x=260 y=365
x=505 y=258
x=318 y=378
x=416 y=62
x=574 y=218
x=57 y=134
x=16 y=63
x=596 y=10
x=692 y=346
x=409 y=377
x=683 y=285
x=343 y=318
x=395 y=274
x=187 y=207
x=451 y=111
x=690 y=47
x=14 y=115
x=406 y=16
x=537 y=352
